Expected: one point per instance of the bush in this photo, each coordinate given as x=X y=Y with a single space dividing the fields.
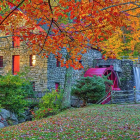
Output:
x=0 y=107
x=13 y=91
x=90 y=88
x=51 y=103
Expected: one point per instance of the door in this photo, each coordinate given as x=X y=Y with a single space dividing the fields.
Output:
x=16 y=64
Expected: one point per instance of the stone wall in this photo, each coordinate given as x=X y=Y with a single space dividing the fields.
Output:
x=57 y=74
x=116 y=63
x=127 y=75
x=123 y=96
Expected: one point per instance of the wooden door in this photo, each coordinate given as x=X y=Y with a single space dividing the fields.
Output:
x=16 y=64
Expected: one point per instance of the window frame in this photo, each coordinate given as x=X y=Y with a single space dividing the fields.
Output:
x=57 y=63
x=1 y=61
x=31 y=60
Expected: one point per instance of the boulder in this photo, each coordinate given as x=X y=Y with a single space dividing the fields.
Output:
x=4 y=121
x=13 y=119
x=5 y=113
x=1 y=125
x=8 y=118
x=75 y=102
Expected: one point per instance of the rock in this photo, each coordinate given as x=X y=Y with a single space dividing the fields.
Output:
x=13 y=118
x=1 y=125
x=5 y=113
x=75 y=102
x=4 y=122
x=8 y=118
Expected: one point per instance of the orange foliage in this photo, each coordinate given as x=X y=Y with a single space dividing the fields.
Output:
x=125 y=40
x=76 y=26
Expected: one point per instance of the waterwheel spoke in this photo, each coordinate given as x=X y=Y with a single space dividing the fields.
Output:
x=114 y=83
x=111 y=75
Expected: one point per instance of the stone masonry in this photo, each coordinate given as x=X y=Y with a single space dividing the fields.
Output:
x=37 y=73
x=57 y=74
x=46 y=74
x=91 y=59
x=127 y=75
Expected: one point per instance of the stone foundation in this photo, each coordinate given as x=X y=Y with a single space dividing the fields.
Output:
x=123 y=96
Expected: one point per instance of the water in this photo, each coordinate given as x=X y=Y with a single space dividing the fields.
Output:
x=137 y=82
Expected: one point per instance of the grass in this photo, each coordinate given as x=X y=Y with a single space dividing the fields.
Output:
x=105 y=122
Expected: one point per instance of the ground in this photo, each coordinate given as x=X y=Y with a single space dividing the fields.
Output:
x=92 y=122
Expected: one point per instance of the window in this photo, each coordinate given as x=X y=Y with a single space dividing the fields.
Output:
x=16 y=64
x=16 y=40
x=32 y=60
x=80 y=61
x=1 y=61
x=57 y=87
x=57 y=63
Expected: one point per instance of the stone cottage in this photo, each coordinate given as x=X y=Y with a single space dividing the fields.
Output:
x=15 y=56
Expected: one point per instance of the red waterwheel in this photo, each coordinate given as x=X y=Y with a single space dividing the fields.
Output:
x=105 y=71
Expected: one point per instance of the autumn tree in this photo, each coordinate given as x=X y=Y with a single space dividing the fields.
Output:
x=79 y=24
x=125 y=41
x=50 y=25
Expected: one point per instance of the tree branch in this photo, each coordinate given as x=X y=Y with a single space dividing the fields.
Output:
x=134 y=15
x=50 y=6
x=61 y=30
x=11 y=12
x=118 y=5
x=47 y=35
x=130 y=9
x=48 y=31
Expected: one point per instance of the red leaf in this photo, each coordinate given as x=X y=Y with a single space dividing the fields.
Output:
x=115 y=14
x=70 y=8
x=100 y=19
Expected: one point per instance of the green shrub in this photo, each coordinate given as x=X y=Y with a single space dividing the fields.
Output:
x=51 y=103
x=90 y=88
x=0 y=107
x=13 y=91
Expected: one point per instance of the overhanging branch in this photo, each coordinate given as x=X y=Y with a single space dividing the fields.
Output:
x=11 y=12
x=119 y=5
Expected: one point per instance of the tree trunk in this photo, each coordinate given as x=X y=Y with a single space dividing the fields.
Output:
x=67 y=84
x=67 y=88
